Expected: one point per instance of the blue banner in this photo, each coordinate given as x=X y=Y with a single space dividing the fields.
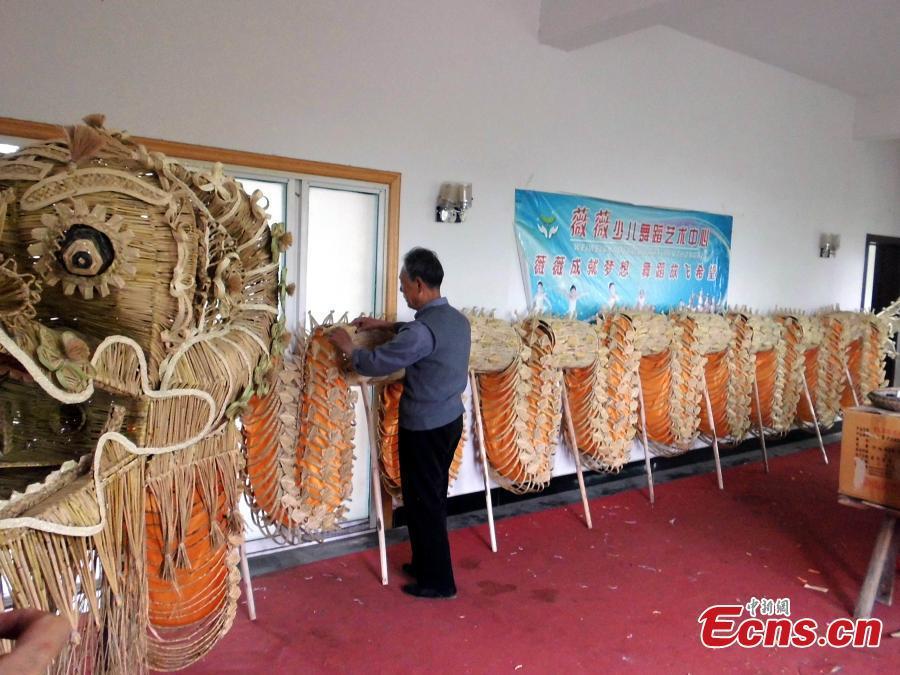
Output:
x=582 y=255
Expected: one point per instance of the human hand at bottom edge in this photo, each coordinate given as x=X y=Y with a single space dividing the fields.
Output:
x=39 y=638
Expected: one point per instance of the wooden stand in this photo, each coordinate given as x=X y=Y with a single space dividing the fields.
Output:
x=759 y=419
x=570 y=426
x=647 y=469
x=365 y=391
x=482 y=451
x=879 y=582
x=712 y=426
x=812 y=410
x=248 y=583
x=850 y=383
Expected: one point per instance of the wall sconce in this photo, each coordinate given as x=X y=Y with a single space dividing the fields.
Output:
x=453 y=201
x=828 y=245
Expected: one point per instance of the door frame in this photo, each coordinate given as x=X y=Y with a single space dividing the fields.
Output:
x=873 y=239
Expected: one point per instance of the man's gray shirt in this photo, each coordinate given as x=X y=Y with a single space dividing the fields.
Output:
x=434 y=350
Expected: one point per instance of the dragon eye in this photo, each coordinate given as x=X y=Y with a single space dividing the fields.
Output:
x=85 y=252
x=81 y=249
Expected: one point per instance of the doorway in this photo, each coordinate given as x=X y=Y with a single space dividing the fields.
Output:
x=881 y=285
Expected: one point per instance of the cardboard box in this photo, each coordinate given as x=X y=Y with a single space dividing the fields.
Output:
x=870 y=456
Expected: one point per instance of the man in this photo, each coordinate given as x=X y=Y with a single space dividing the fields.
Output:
x=434 y=349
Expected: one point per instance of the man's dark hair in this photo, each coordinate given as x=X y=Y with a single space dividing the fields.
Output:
x=420 y=263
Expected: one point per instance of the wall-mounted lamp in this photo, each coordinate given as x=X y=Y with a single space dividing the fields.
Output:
x=453 y=201
x=828 y=245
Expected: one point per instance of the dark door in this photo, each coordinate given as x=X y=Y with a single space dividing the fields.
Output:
x=885 y=279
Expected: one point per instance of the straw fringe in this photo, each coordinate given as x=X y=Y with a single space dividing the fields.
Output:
x=270 y=429
x=521 y=408
x=740 y=373
x=325 y=443
x=193 y=532
x=588 y=392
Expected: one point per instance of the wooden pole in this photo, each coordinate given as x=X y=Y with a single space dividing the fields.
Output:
x=762 y=433
x=570 y=426
x=364 y=391
x=812 y=410
x=482 y=448
x=712 y=426
x=850 y=382
x=647 y=468
x=878 y=564
x=248 y=583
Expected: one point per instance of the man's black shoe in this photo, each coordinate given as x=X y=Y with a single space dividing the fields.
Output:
x=420 y=592
x=408 y=570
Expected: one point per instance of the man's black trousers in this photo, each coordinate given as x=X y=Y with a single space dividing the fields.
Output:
x=425 y=458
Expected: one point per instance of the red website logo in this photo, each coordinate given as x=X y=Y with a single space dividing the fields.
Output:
x=721 y=626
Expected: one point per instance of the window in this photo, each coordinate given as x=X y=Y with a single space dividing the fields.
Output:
x=338 y=266
x=881 y=285
x=342 y=271
x=343 y=250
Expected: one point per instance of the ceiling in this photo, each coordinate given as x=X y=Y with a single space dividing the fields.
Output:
x=850 y=45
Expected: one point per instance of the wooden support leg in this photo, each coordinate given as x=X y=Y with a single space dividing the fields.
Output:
x=877 y=574
x=715 y=439
x=248 y=583
x=759 y=420
x=364 y=392
x=482 y=448
x=812 y=410
x=647 y=468
x=570 y=426
x=886 y=583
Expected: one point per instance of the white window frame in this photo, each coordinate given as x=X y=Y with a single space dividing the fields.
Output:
x=297 y=222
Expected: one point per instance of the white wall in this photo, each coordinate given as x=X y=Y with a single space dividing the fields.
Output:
x=463 y=91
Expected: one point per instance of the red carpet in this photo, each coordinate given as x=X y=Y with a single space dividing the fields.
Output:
x=558 y=597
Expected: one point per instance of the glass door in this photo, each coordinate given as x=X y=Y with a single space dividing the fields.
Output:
x=338 y=267
x=342 y=274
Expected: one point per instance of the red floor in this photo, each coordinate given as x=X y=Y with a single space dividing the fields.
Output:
x=558 y=597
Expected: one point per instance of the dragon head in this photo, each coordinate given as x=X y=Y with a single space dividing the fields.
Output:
x=138 y=301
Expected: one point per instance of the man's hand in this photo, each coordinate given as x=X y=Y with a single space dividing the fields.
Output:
x=340 y=339
x=371 y=323
x=39 y=636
